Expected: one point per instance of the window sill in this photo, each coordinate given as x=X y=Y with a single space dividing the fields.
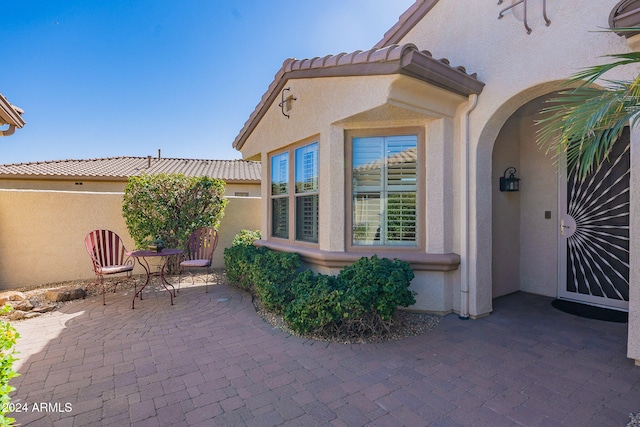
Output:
x=419 y=261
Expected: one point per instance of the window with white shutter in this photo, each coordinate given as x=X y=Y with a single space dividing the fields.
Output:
x=384 y=190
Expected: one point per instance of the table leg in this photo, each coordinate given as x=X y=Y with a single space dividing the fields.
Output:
x=164 y=281
x=147 y=270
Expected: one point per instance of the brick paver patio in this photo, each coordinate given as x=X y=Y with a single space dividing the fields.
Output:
x=211 y=360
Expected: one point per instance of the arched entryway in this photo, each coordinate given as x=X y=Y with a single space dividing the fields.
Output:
x=558 y=237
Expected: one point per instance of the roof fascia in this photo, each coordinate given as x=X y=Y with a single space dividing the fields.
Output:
x=407 y=21
x=9 y=113
x=439 y=73
x=413 y=63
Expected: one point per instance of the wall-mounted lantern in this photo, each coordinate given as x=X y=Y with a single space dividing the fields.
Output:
x=511 y=183
x=285 y=105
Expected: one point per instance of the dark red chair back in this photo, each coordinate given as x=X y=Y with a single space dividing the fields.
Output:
x=201 y=244
x=105 y=249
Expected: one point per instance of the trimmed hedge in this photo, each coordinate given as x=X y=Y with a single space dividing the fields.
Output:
x=361 y=301
x=271 y=274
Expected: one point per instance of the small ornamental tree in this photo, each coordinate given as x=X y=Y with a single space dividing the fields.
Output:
x=170 y=207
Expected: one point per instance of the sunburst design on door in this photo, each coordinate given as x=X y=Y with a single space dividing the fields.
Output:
x=598 y=245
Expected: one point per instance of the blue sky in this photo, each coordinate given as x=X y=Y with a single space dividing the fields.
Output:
x=102 y=78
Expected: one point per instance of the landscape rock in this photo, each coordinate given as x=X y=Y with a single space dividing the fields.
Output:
x=16 y=315
x=23 y=305
x=31 y=315
x=44 y=308
x=64 y=294
x=11 y=296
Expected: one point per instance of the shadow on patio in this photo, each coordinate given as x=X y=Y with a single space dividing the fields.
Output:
x=211 y=360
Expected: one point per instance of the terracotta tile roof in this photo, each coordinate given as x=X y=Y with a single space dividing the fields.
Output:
x=404 y=59
x=122 y=167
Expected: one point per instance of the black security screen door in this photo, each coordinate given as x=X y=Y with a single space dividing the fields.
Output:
x=594 y=233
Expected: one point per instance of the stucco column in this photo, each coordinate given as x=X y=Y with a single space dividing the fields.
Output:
x=480 y=246
x=332 y=199
x=264 y=193
x=439 y=185
x=633 y=344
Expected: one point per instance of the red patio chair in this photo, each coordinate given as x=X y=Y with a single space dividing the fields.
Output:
x=109 y=256
x=198 y=253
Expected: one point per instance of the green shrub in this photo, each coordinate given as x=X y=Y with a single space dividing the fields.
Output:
x=265 y=273
x=246 y=238
x=271 y=275
x=317 y=303
x=359 y=302
x=379 y=285
x=171 y=206
x=8 y=338
x=238 y=261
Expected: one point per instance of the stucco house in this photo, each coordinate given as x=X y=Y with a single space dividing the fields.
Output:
x=10 y=117
x=399 y=150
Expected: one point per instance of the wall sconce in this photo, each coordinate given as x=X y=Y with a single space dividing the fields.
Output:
x=285 y=105
x=511 y=183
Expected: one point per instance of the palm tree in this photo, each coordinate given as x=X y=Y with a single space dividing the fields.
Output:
x=585 y=121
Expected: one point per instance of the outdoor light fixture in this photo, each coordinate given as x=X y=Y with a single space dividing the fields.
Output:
x=511 y=183
x=285 y=105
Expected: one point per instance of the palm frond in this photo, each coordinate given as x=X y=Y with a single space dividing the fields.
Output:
x=592 y=74
x=583 y=123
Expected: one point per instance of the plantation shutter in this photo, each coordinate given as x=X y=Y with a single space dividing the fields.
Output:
x=306 y=173
x=401 y=189
x=279 y=193
x=384 y=190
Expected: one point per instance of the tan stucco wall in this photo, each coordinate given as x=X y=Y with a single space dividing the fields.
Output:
x=104 y=185
x=506 y=214
x=538 y=235
x=42 y=232
x=62 y=184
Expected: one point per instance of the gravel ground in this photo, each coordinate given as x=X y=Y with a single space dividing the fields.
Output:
x=406 y=324
x=635 y=420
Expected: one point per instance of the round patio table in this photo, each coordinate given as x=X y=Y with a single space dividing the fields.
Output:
x=142 y=256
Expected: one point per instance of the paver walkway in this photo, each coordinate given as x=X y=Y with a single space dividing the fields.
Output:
x=211 y=360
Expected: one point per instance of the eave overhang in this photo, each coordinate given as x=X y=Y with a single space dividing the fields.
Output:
x=9 y=114
x=395 y=59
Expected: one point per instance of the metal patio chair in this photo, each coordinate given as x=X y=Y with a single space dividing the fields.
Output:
x=198 y=253
x=109 y=256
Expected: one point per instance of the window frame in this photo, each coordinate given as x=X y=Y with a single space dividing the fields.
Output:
x=420 y=242
x=293 y=194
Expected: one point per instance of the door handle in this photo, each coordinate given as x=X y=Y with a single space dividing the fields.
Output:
x=562 y=227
